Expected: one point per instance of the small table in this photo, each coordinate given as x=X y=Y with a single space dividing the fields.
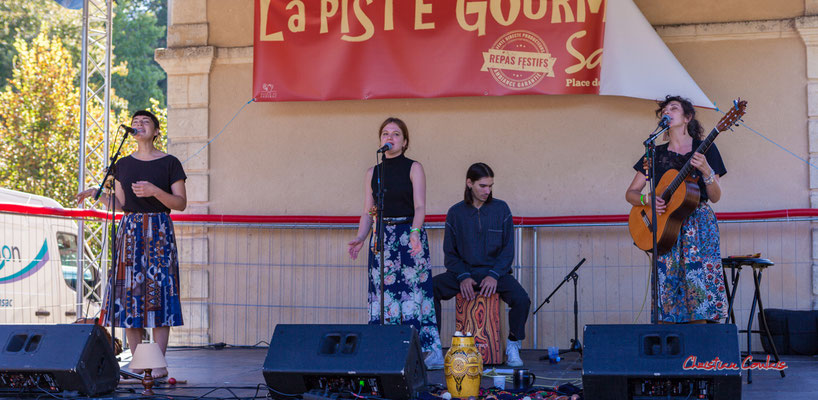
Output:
x=758 y=266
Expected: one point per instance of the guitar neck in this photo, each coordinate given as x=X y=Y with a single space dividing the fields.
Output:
x=688 y=167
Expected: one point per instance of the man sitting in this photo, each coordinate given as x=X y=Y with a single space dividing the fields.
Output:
x=478 y=246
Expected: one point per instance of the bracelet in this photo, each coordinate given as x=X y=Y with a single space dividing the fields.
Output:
x=642 y=199
x=710 y=179
x=414 y=230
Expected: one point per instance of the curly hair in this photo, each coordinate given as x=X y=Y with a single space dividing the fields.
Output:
x=694 y=128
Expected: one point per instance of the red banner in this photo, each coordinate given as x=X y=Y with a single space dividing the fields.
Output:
x=368 y=49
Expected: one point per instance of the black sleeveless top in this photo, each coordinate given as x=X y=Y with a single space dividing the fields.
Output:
x=398 y=200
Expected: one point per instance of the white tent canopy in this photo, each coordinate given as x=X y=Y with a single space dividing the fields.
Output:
x=637 y=63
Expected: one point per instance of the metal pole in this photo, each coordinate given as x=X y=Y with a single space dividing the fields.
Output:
x=81 y=168
x=107 y=105
x=94 y=14
x=518 y=251
x=535 y=280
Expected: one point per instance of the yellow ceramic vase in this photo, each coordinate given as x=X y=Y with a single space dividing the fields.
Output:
x=463 y=367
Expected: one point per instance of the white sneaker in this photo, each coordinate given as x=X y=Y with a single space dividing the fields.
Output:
x=434 y=360
x=513 y=354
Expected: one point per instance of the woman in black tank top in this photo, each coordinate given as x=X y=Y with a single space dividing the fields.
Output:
x=408 y=291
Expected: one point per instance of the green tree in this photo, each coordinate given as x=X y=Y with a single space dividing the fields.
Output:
x=39 y=122
x=137 y=32
x=39 y=107
x=139 y=27
x=39 y=119
x=24 y=19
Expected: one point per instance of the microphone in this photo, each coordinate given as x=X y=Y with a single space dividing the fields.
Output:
x=127 y=129
x=385 y=148
x=662 y=124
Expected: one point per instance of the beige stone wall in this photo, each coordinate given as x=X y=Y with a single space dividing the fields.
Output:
x=544 y=137
x=553 y=155
x=668 y=12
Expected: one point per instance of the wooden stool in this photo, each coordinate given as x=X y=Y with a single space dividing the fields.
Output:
x=481 y=317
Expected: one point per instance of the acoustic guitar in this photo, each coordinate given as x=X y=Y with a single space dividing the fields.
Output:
x=681 y=195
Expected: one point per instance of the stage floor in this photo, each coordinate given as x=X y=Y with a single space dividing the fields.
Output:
x=237 y=372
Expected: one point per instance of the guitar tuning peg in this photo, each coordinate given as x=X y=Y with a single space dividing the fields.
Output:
x=735 y=103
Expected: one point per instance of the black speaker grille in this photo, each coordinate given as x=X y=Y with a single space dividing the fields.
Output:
x=375 y=360
x=646 y=362
x=56 y=358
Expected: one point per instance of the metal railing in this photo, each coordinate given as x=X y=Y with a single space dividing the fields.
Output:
x=242 y=275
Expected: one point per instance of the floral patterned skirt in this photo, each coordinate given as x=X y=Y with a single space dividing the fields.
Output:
x=408 y=290
x=147 y=277
x=691 y=284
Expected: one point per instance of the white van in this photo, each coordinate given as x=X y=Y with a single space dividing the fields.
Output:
x=38 y=265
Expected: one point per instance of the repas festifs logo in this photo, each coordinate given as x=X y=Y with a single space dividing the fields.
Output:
x=519 y=60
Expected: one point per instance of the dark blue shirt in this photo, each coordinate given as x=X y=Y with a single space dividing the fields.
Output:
x=479 y=241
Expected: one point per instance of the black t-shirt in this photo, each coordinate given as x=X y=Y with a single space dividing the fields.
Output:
x=666 y=159
x=162 y=172
x=398 y=200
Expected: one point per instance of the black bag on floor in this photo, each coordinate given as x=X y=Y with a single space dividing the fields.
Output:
x=793 y=332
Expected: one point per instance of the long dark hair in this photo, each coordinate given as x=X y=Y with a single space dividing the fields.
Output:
x=401 y=125
x=476 y=172
x=694 y=128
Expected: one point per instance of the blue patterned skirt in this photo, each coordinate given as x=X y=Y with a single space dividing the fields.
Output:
x=691 y=284
x=147 y=276
x=409 y=291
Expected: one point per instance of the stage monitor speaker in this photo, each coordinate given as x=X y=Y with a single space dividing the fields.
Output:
x=368 y=360
x=57 y=358
x=654 y=362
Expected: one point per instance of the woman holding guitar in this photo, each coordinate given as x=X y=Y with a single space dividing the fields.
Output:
x=691 y=288
x=408 y=287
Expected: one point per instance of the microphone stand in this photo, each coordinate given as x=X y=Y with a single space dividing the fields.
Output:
x=379 y=246
x=650 y=152
x=112 y=208
x=576 y=346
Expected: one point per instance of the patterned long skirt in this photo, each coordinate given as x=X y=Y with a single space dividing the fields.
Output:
x=691 y=284
x=408 y=289
x=147 y=277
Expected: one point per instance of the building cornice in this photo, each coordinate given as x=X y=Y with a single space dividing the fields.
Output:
x=744 y=30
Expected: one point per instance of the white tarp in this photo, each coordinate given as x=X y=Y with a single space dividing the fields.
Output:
x=637 y=63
